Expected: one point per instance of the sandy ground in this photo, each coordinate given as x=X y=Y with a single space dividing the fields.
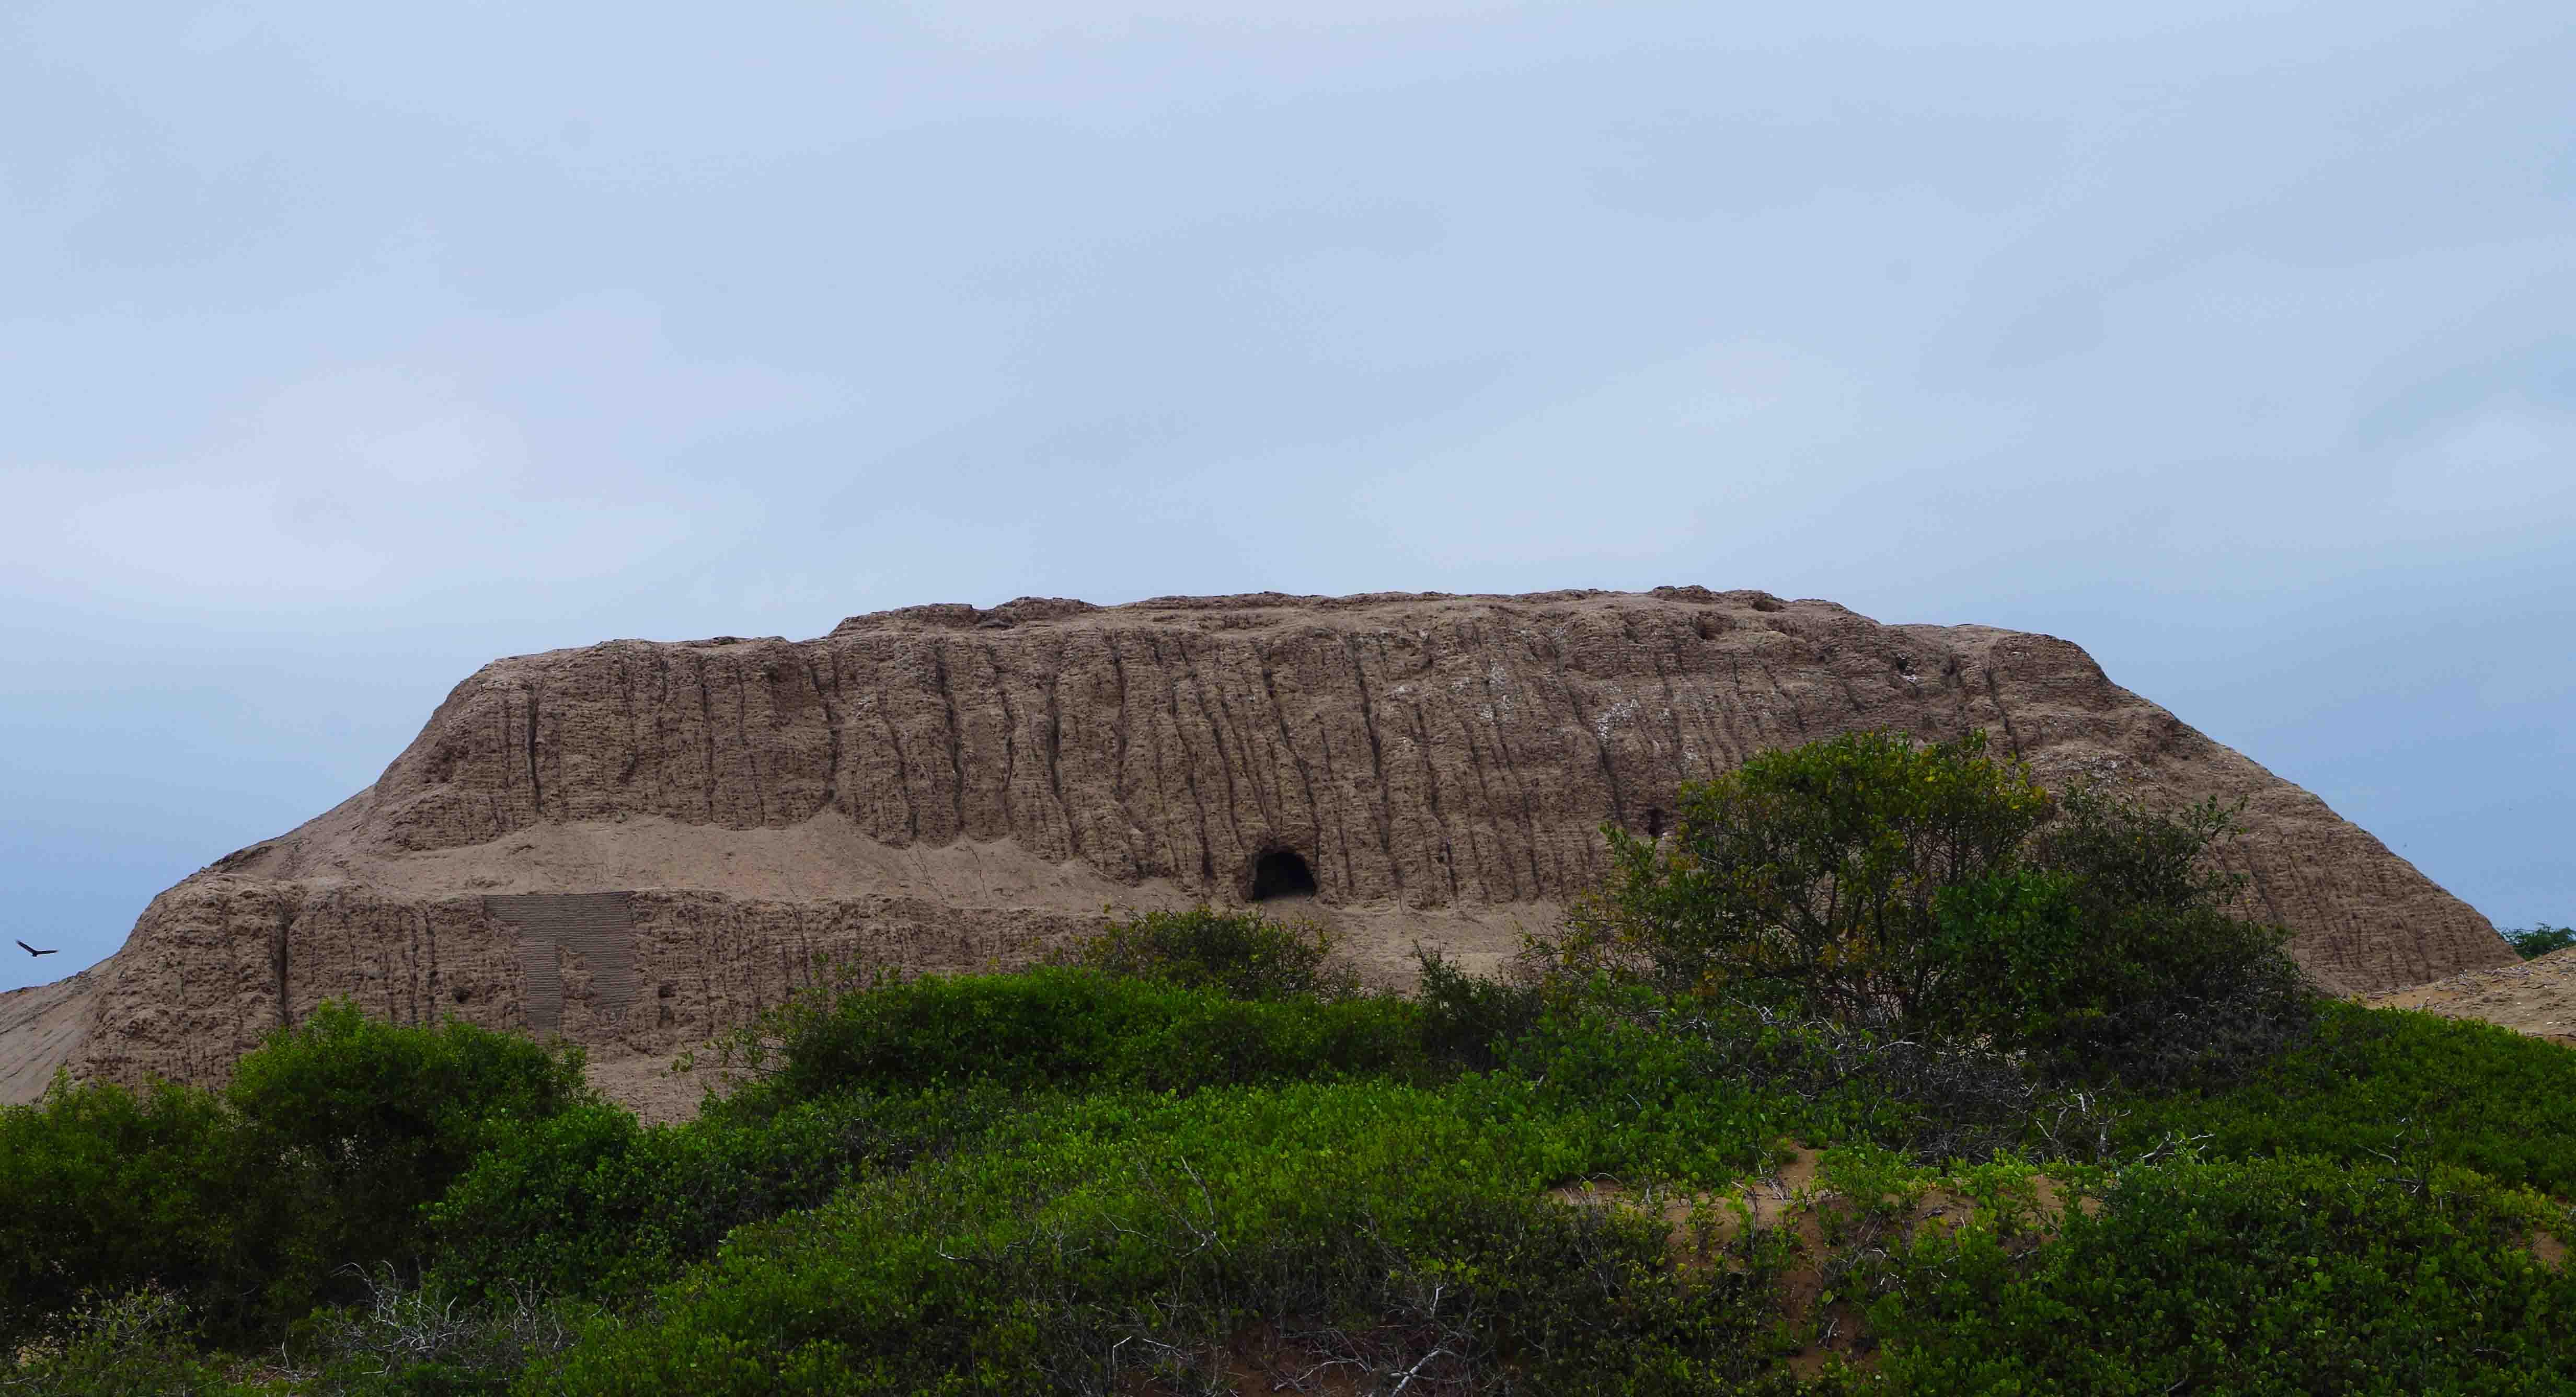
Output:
x=2537 y=997
x=41 y=1024
x=650 y=1087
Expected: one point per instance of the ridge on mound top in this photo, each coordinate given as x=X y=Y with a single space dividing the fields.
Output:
x=952 y=787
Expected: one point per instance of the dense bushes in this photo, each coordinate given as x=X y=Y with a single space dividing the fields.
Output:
x=2396 y=1089
x=2101 y=989
x=245 y=1206
x=1192 y=1157
x=103 y=1189
x=1934 y=889
x=2285 y=1275
x=1371 y=1227
x=590 y=1203
x=1062 y=1028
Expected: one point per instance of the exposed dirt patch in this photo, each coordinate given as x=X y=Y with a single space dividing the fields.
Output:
x=2551 y=1251
x=40 y=1026
x=650 y=1087
x=1827 y=1232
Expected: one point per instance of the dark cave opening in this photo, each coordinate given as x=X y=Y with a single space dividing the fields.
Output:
x=1282 y=873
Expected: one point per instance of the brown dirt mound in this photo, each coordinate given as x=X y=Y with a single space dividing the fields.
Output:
x=949 y=788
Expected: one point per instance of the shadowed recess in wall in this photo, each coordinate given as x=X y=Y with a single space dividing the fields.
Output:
x=593 y=926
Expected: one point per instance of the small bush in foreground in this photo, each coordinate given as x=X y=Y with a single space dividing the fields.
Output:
x=2392 y=1088
x=405 y=1340
x=2277 y=1276
x=138 y=1344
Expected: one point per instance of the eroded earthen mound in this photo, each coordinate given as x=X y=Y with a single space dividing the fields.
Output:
x=638 y=843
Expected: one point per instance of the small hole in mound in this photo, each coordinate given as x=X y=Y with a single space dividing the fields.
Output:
x=1282 y=873
x=463 y=994
x=666 y=991
x=1655 y=823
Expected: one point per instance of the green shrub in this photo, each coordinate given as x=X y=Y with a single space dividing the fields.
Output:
x=1935 y=890
x=2533 y=942
x=1103 y=1243
x=404 y=1340
x=1695 y=1092
x=104 y=1190
x=589 y=1203
x=2124 y=856
x=2276 y=1276
x=2384 y=1086
x=387 y=1115
x=2107 y=988
x=138 y=1344
x=1806 y=877
x=251 y=1204
x=1055 y=1028
x=1243 y=954
x=1468 y=1019
x=358 y=1124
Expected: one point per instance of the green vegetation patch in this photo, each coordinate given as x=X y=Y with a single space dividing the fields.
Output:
x=2076 y=1127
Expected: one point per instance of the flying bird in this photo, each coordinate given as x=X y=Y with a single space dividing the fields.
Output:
x=33 y=951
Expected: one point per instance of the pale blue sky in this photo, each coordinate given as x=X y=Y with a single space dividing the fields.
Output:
x=343 y=350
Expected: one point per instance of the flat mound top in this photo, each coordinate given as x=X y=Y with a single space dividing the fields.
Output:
x=952 y=786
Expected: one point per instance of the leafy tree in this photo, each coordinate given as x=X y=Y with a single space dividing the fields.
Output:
x=248 y=1205
x=1934 y=888
x=1808 y=876
x=103 y=1188
x=2533 y=942
x=367 y=1121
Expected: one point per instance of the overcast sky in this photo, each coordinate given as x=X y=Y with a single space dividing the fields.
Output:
x=345 y=347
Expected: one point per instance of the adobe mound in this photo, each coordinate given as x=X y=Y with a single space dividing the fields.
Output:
x=638 y=844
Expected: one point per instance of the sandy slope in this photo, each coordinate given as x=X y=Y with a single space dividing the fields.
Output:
x=2537 y=997
x=42 y=1024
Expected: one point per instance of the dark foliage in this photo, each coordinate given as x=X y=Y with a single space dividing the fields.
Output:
x=2398 y=1089
x=1935 y=891
x=2533 y=942
x=250 y=1206
x=589 y=1203
x=1468 y=1020
x=1243 y=954
x=1062 y=1028
x=103 y=1190
x=2272 y=1276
